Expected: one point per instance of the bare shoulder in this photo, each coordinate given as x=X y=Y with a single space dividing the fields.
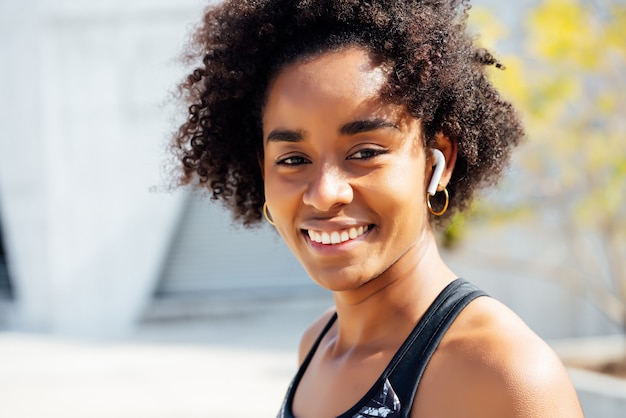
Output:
x=490 y=364
x=310 y=335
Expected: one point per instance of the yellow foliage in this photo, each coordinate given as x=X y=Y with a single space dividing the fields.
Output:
x=491 y=30
x=570 y=85
x=512 y=80
x=564 y=31
x=615 y=37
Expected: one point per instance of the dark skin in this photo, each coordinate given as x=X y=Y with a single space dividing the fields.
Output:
x=329 y=171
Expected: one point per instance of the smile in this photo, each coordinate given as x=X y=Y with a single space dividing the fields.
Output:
x=337 y=237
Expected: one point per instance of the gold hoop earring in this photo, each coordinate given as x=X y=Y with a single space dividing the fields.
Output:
x=445 y=206
x=267 y=215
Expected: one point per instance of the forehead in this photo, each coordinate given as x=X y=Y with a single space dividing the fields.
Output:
x=354 y=66
x=325 y=78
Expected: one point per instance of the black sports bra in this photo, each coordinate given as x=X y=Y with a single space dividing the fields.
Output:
x=393 y=393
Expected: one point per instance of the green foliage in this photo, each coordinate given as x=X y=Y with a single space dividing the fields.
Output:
x=452 y=234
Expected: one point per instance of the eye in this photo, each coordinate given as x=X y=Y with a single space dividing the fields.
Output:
x=366 y=153
x=292 y=161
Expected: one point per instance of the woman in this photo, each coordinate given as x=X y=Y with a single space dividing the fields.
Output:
x=357 y=128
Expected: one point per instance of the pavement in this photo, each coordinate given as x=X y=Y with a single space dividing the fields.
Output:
x=226 y=357
x=227 y=363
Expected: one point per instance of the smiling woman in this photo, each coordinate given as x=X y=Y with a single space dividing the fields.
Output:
x=357 y=128
x=344 y=162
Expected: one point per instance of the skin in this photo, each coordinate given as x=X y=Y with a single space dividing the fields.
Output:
x=336 y=157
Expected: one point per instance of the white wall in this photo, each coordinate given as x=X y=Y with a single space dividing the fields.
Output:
x=83 y=131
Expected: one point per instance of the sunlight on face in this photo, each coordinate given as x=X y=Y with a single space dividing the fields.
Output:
x=344 y=170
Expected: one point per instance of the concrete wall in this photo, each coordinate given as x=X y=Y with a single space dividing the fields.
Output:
x=83 y=129
x=209 y=254
x=519 y=264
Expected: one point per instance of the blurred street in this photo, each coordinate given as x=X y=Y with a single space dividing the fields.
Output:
x=230 y=357
x=232 y=362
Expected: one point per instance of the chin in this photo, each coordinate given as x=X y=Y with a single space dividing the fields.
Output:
x=339 y=281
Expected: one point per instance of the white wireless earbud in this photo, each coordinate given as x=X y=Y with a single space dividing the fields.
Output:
x=440 y=164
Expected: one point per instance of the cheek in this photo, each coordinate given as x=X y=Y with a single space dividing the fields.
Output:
x=281 y=196
x=404 y=196
x=407 y=180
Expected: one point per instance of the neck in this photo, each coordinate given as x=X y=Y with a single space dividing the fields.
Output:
x=387 y=307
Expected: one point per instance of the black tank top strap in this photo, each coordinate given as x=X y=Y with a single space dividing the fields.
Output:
x=407 y=367
x=285 y=410
x=398 y=383
x=318 y=341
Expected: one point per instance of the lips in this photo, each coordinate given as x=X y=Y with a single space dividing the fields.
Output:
x=337 y=237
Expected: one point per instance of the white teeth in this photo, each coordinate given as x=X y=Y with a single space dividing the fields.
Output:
x=336 y=237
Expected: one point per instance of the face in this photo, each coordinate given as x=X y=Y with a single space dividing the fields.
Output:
x=344 y=171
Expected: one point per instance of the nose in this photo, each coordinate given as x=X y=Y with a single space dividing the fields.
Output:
x=329 y=188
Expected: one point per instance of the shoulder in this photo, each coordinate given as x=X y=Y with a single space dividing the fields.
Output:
x=490 y=364
x=312 y=333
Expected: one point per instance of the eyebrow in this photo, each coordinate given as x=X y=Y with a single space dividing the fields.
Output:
x=285 y=136
x=351 y=128
x=368 y=125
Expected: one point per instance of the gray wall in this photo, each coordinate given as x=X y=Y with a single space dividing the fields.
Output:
x=83 y=130
x=209 y=254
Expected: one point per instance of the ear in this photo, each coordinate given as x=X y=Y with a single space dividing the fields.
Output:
x=449 y=150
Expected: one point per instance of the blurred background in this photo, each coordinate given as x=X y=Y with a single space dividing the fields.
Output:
x=122 y=298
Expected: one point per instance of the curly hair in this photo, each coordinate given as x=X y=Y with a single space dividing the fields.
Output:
x=436 y=73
